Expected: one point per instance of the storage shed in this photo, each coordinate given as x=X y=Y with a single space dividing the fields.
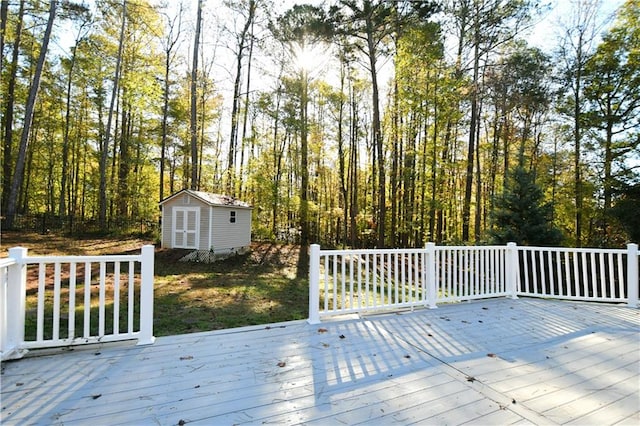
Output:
x=206 y=223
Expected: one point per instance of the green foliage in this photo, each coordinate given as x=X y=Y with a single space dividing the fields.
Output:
x=626 y=211
x=521 y=215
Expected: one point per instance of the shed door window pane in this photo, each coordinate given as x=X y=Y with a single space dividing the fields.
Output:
x=232 y=217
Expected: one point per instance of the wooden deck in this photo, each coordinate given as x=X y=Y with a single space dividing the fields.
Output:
x=497 y=361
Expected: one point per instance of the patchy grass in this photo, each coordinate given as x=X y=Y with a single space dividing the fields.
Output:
x=258 y=288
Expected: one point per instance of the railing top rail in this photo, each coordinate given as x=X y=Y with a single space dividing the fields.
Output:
x=573 y=249
x=81 y=259
x=469 y=248
x=7 y=261
x=348 y=252
x=406 y=250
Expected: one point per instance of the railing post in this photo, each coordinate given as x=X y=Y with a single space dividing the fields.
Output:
x=512 y=265
x=632 y=275
x=15 y=306
x=146 y=296
x=314 y=284
x=432 y=292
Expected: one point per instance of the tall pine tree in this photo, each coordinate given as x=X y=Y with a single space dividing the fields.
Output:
x=521 y=215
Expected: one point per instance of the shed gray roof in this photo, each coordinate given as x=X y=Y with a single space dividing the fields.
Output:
x=211 y=199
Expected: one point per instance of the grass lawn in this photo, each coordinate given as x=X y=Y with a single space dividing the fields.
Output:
x=258 y=288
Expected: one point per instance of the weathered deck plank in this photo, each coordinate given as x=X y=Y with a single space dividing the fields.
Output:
x=488 y=362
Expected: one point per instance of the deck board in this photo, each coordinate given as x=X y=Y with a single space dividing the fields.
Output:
x=498 y=361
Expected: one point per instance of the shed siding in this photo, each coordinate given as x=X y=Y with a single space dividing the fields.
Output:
x=204 y=228
x=229 y=236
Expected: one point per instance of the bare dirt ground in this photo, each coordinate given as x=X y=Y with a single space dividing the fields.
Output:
x=262 y=253
x=61 y=245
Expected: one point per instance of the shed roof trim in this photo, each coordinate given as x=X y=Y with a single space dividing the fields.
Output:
x=211 y=199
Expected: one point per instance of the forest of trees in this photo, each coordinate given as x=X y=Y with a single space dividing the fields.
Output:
x=361 y=123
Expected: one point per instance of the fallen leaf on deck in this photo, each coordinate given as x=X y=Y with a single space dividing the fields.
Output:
x=326 y=345
x=322 y=330
x=492 y=355
x=282 y=364
x=187 y=357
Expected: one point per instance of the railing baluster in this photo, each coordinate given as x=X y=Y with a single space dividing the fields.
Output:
x=585 y=279
x=102 y=299
x=87 y=300
x=116 y=298
x=576 y=272
x=374 y=287
x=558 y=274
x=351 y=295
x=621 y=277
x=131 y=295
x=343 y=283
x=389 y=279
x=534 y=270
x=612 y=283
x=552 y=283
x=543 y=275
x=471 y=280
x=71 y=333
x=335 y=281
x=360 y=292
x=366 y=280
x=398 y=278
x=55 y=335
x=41 y=293
x=567 y=272
x=601 y=275
x=593 y=274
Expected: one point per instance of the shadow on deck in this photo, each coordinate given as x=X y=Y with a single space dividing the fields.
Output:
x=488 y=362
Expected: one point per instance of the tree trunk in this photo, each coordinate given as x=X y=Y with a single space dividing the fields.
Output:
x=468 y=189
x=235 y=106
x=172 y=40
x=16 y=181
x=245 y=117
x=104 y=153
x=4 y=14
x=377 y=135
x=7 y=117
x=193 y=128
x=304 y=163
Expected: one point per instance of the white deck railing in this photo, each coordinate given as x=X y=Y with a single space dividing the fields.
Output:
x=78 y=300
x=347 y=281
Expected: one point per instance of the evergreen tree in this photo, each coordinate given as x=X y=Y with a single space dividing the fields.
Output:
x=521 y=215
x=626 y=211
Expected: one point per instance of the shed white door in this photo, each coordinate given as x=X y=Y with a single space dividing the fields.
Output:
x=186 y=227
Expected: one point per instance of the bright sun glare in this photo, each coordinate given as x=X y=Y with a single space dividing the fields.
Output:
x=312 y=58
